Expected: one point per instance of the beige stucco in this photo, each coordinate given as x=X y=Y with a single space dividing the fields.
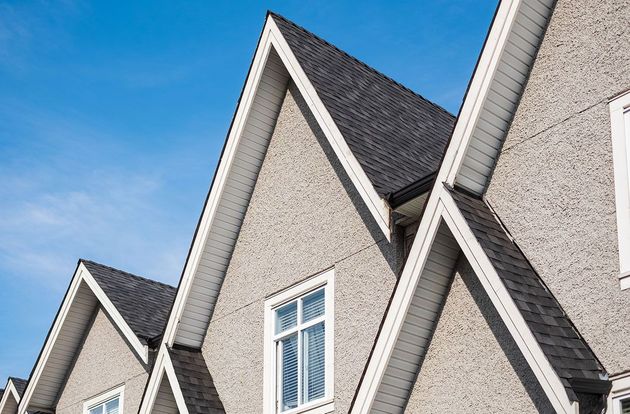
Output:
x=304 y=217
x=473 y=365
x=105 y=361
x=553 y=185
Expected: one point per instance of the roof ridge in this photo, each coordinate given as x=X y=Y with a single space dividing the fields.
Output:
x=370 y=68
x=146 y=279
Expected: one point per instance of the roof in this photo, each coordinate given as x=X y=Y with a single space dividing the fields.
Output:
x=143 y=303
x=397 y=136
x=568 y=353
x=20 y=385
x=195 y=382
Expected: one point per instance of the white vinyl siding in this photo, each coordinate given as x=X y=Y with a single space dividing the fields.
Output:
x=299 y=347
x=620 y=125
x=509 y=78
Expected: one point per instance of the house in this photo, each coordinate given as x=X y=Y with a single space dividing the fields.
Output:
x=11 y=394
x=363 y=251
x=325 y=170
x=325 y=276
x=101 y=346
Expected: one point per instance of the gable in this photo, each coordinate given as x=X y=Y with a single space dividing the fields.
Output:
x=103 y=361
x=473 y=364
x=274 y=63
x=71 y=325
x=304 y=217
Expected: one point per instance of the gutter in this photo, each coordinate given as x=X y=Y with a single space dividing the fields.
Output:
x=411 y=191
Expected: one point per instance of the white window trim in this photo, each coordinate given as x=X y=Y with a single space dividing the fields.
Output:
x=326 y=404
x=106 y=396
x=621 y=161
x=620 y=391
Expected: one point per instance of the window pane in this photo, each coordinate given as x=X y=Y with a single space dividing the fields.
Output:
x=286 y=317
x=96 y=410
x=111 y=407
x=314 y=362
x=289 y=374
x=313 y=305
x=625 y=406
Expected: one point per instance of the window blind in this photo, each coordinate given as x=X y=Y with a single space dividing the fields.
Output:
x=314 y=372
x=289 y=363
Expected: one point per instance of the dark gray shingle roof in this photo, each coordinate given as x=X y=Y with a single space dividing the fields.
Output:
x=143 y=303
x=20 y=385
x=569 y=354
x=397 y=136
x=195 y=382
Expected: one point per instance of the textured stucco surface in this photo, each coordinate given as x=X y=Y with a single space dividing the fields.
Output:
x=553 y=185
x=105 y=361
x=304 y=217
x=473 y=365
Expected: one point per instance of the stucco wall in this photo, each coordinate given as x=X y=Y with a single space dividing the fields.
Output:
x=105 y=361
x=304 y=217
x=473 y=365
x=553 y=185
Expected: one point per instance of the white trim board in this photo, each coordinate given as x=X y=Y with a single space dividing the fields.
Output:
x=163 y=365
x=9 y=391
x=74 y=303
x=187 y=324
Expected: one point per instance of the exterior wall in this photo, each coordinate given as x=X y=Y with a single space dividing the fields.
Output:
x=105 y=361
x=165 y=401
x=473 y=364
x=304 y=217
x=553 y=185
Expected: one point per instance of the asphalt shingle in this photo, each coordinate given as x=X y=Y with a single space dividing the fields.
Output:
x=20 y=385
x=143 y=303
x=569 y=354
x=397 y=136
x=195 y=382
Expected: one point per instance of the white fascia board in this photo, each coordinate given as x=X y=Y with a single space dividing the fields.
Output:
x=163 y=365
x=478 y=91
x=141 y=349
x=377 y=206
x=505 y=306
x=9 y=391
x=272 y=37
x=399 y=306
x=81 y=275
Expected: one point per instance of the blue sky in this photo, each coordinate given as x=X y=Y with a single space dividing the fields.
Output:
x=113 y=114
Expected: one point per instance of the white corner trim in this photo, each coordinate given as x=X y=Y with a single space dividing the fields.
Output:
x=619 y=392
x=81 y=275
x=119 y=392
x=325 y=279
x=271 y=37
x=9 y=391
x=401 y=301
x=505 y=306
x=620 y=131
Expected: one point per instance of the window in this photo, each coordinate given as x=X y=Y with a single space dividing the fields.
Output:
x=621 y=405
x=110 y=402
x=299 y=348
x=620 y=125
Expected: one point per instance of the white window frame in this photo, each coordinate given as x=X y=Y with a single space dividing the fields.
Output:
x=620 y=128
x=323 y=405
x=620 y=391
x=105 y=397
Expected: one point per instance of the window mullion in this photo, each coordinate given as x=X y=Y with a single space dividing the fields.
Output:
x=299 y=335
